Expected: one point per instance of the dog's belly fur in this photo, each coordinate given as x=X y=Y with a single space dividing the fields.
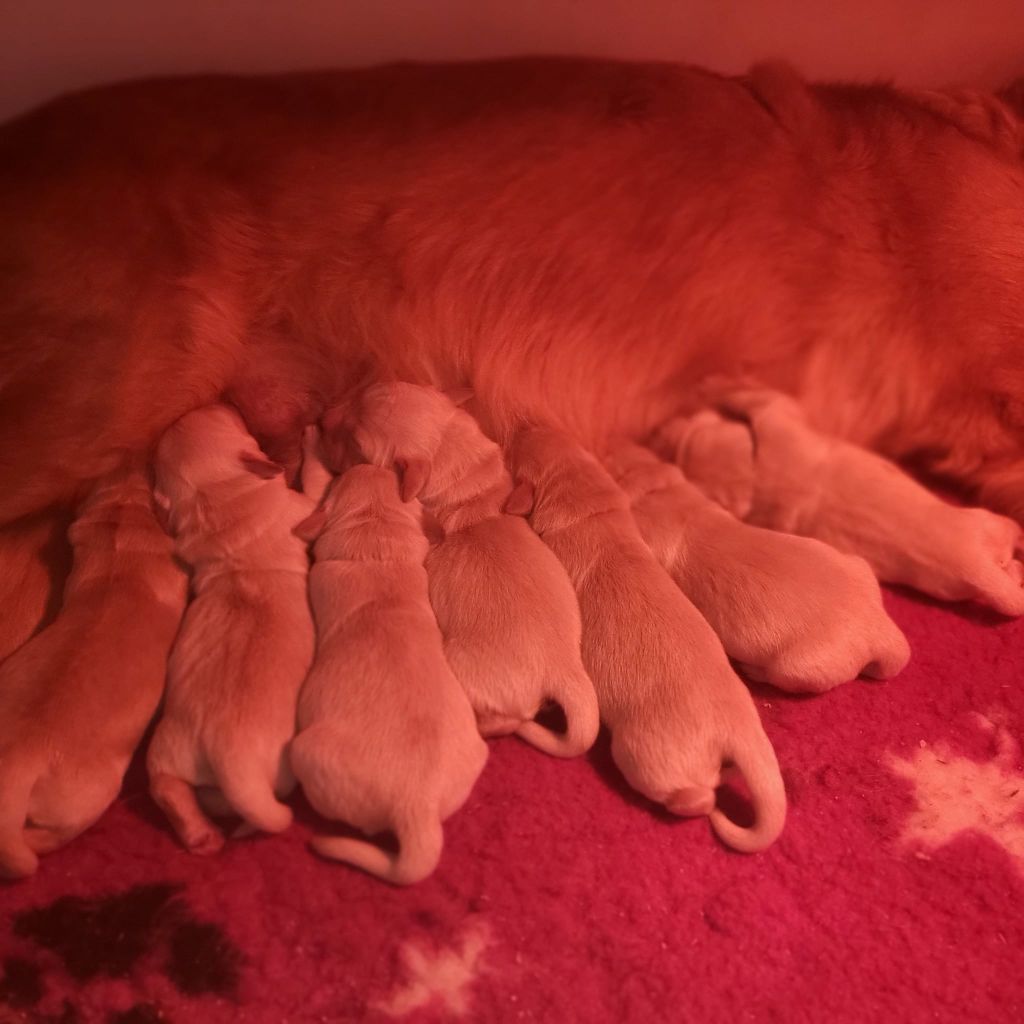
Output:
x=578 y=240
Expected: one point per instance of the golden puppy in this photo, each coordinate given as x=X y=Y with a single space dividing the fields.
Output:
x=506 y=609
x=678 y=713
x=387 y=740
x=76 y=699
x=794 y=612
x=805 y=482
x=247 y=639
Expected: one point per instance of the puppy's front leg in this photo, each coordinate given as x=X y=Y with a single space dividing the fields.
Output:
x=678 y=714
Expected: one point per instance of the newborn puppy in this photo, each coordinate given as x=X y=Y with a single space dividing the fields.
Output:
x=808 y=483
x=247 y=639
x=677 y=712
x=387 y=740
x=65 y=746
x=792 y=611
x=506 y=609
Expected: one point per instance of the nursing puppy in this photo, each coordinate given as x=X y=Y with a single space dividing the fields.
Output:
x=506 y=609
x=808 y=483
x=247 y=639
x=387 y=740
x=76 y=698
x=792 y=611
x=678 y=714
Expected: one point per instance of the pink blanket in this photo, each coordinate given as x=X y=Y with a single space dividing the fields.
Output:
x=896 y=892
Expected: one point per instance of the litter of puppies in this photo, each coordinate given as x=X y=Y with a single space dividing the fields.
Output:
x=430 y=590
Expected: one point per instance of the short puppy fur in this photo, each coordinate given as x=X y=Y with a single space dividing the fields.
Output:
x=504 y=603
x=247 y=639
x=805 y=482
x=77 y=697
x=792 y=611
x=387 y=740
x=678 y=714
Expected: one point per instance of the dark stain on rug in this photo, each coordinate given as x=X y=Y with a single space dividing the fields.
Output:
x=202 y=960
x=143 y=1013
x=21 y=984
x=111 y=936
x=106 y=936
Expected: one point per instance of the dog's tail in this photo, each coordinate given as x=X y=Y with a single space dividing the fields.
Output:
x=582 y=721
x=418 y=855
x=757 y=763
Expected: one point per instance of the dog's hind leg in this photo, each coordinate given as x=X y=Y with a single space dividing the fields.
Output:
x=35 y=559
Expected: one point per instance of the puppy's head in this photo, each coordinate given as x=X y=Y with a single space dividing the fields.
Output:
x=204 y=448
x=392 y=424
x=638 y=471
x=363 y=516
x=568 y=483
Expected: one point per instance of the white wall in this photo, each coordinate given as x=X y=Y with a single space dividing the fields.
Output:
x=49 y=46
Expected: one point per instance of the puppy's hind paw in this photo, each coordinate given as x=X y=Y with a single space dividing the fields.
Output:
x=177 y=799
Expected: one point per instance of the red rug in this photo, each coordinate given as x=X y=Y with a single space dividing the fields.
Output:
x=896 y=893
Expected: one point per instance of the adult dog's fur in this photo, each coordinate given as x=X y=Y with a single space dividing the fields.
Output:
x=578 y=240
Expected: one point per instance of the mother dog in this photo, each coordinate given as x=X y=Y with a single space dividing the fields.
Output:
x=578 y=240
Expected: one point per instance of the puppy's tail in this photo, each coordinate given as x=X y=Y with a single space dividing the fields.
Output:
x=758 y=765
x=419 y=853
x=582 y=721
x=247 y=789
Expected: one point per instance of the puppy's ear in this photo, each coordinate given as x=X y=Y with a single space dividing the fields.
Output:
x=260 y=465
x=520 y=500
x=312 y=526
x=415 y=477
x=459 y=396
